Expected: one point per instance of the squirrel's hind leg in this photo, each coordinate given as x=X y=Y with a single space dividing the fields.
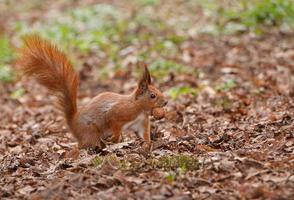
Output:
x=90 y=137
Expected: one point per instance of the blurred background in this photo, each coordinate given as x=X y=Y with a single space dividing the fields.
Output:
x=173 y=37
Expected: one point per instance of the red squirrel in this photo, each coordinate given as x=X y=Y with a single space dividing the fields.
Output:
x=107 y=114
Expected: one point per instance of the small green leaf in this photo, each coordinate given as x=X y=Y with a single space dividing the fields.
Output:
x=6 y=53
x=97 y=161
x=227 y=85
x=171 y=176
x=175 y=92
x=6 y=74
x=17 y=93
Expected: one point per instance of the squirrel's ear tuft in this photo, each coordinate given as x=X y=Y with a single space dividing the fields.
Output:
x=146 y=75
x=144 y=81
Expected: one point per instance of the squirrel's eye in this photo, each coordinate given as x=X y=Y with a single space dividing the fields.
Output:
x=152 y=96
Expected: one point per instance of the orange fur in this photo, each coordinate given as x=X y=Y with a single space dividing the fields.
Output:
x=51 y=68
x=105 y=115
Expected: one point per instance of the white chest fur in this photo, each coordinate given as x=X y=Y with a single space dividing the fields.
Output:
x=137 y=125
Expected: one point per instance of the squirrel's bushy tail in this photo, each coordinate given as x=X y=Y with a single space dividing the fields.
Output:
x=51 y=68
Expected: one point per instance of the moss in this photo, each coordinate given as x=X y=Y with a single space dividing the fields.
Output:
x=180 y=162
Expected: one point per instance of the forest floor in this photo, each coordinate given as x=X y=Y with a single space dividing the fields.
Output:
x=228 y=132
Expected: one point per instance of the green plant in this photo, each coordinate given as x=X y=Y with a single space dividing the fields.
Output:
x=97 y=161
x=84 y=28
x=226 y=86
x=268 y=12
x=180 y=161
x=17 y=93
x=162 y=68
x=6 y=74
x=175 y=92
x=238 y=16
x=6 y=55
x=112 y=159
x=171 y=177
x=146 y=2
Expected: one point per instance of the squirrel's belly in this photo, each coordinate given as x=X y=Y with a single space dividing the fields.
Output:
x=136 y=125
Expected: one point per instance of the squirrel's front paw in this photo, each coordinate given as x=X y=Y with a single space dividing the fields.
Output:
x=147 y=146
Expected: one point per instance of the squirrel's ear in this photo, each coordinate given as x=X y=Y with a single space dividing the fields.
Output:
x=146 y=74
x=144 y=81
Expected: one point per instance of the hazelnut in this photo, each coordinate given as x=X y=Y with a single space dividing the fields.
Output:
x=158 y=113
